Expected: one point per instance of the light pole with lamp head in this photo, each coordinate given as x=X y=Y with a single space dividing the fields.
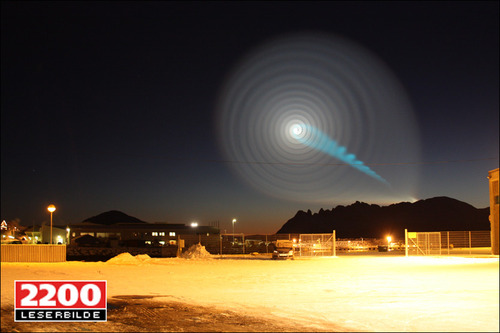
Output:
x=234 y=220
x=51 y=209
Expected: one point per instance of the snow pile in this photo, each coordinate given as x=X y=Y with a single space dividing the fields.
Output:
x=127 y=258
x=142 y=257
x=196 y=251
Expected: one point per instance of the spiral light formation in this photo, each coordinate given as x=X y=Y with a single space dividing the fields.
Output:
x=296 y=90
x=313 y=137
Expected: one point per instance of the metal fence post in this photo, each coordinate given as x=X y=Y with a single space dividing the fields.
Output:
x=406 y=242
x=440 y=246
x=470 y=243
x=334 y=245
x=448 y=241
x=267 y=246
x=300 y=245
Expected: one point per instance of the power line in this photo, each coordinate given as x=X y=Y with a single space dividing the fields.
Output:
x=206 y=160
x=368 y=164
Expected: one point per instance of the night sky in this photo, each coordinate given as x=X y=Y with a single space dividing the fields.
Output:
x=119 y=106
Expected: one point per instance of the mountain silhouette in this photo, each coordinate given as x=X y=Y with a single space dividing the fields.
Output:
x=113 y=217
x=373 y=221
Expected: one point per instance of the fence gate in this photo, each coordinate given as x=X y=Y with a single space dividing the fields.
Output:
x=315 y=245
x=424 y=243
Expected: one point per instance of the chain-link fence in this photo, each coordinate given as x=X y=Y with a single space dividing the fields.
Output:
x=326 y=244
x=424 y=243
x=237 y=243
x=316 y=245
x=449 y=242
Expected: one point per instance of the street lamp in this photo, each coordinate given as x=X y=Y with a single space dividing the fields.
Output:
x=234 y=220
x=67 y=235
x=51 y=209
x=389 y=239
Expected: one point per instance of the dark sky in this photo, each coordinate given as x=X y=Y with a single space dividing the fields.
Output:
x=112 y=105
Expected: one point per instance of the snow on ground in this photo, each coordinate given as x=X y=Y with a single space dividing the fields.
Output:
x=362 y=293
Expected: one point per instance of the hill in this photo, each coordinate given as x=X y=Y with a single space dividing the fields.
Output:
x=113 y=217
x=374 y=221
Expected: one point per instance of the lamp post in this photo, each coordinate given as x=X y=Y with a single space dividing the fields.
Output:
x=194 y=225
x=234 y=220
x=51 y=209
x=67 y=235
x=389 y=239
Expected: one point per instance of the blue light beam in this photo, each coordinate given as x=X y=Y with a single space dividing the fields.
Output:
x=315 y=138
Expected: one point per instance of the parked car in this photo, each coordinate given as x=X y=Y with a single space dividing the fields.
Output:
x=383 y=248
x=11 y=241
x=284 y=249
x=86 y=240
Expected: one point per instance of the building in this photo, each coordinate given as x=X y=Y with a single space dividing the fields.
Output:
x=493 y=180
x=141 y=234
x=41 y=234
x=34 y=234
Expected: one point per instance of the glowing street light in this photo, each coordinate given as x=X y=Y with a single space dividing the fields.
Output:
x=51 y=209
x=389 y=239
x=67 y=235
x=234 y=220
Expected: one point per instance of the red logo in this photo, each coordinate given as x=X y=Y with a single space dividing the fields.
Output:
x=60 y=300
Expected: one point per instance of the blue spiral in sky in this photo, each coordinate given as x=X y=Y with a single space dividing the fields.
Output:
x=313 y=137
x=290 y=98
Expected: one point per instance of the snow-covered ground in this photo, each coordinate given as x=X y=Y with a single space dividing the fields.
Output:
x=362 y=293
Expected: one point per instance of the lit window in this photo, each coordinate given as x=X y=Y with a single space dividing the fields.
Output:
x=171 y=233
x=162 y=233
x=162 y=242
x=147 y=242
x=172 y=242
x=154 y=233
